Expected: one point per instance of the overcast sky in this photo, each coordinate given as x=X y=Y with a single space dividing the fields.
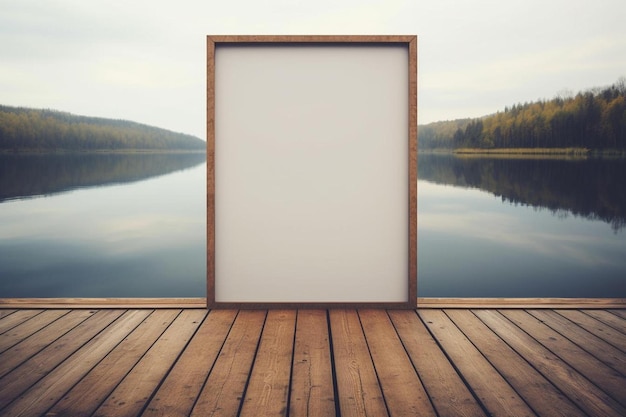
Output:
x=145 y=60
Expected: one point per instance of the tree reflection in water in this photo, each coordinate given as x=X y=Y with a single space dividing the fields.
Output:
x=592 y=188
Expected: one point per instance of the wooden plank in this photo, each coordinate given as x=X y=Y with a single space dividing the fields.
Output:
x=357 y=385
x=225 y=386
x=27 y=328
x=312 y=384
x=5 y=312
x=132 y=394
x=402 y=388
x=178 y=393
x=441 y=302
x=592 y=325
x=86 y=395
x=543 y=397
x=607 y=318
x=605 y=377
x=493 y=391
x=268 y=389
x=447 y=391
x=24 y=376
x=605 y=352
x=28 y=347
x=41 y=396
x=16 y=319
x=580 y=390
x=98 y=303
x=618 y=312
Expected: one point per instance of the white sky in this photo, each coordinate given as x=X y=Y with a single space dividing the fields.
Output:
x=145 y=60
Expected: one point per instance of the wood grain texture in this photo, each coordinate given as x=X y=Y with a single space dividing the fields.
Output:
x=146 y=375
x=312 y=391
x=488 y=385
x=446 y=389
x=575 y=386
x=30 y=346
x=268 y=389
x=551 y=303
x=210 y=172
x=20 y=332
x=507 y=362
x=401 y=386
x=543 y=397
x=42 y=395
x=16 y=318
x=223 y=391
x=97 y=303
x=592 y=325
x=597 y=347
x=618 y=313
x=357 y=383
x=412 y=143
x=16 y=382
x=97 y=385
x=607 y=318
x=604 y=377
x=311 y=38
x=177 y=395
x=6 y=312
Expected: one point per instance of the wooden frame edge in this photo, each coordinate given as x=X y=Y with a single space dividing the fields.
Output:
x=588 y=303
x=210 y=172
x=311 y=38
x=103 y=303
x=412 y=191
x=411 y=43
x=312 y=305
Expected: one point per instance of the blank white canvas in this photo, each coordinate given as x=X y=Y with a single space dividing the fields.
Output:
x=311 y=173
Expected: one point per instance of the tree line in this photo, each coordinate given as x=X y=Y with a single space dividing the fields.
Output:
x=25 y=129
x=594 y=119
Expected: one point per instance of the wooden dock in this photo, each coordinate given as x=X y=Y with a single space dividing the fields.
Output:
x=430 y=362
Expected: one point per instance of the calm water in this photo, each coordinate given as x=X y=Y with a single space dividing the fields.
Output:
x=134 y=226
x=103 y=226
x=498 y=227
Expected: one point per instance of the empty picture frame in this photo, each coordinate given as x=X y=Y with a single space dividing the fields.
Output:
x=311 y=171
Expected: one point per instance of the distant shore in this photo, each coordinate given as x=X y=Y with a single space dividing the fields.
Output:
x=511 y=152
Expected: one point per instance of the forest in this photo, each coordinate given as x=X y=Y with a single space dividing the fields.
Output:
x=593 y=120
x=24 y=129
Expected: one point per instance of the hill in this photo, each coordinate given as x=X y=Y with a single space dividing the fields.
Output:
x=25 y=129
x=594 y=119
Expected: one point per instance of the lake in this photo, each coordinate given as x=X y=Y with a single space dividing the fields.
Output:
x=115 y=225
x=134 y=225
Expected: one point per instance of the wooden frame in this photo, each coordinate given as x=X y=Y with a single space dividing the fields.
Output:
x=216 y=144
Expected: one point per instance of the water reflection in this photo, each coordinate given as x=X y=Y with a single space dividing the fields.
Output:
x=101 y=232
x=24 y=176
x=591 y=188
x=508 y=228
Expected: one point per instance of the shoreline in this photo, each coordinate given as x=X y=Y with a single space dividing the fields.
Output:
x=577 y=153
